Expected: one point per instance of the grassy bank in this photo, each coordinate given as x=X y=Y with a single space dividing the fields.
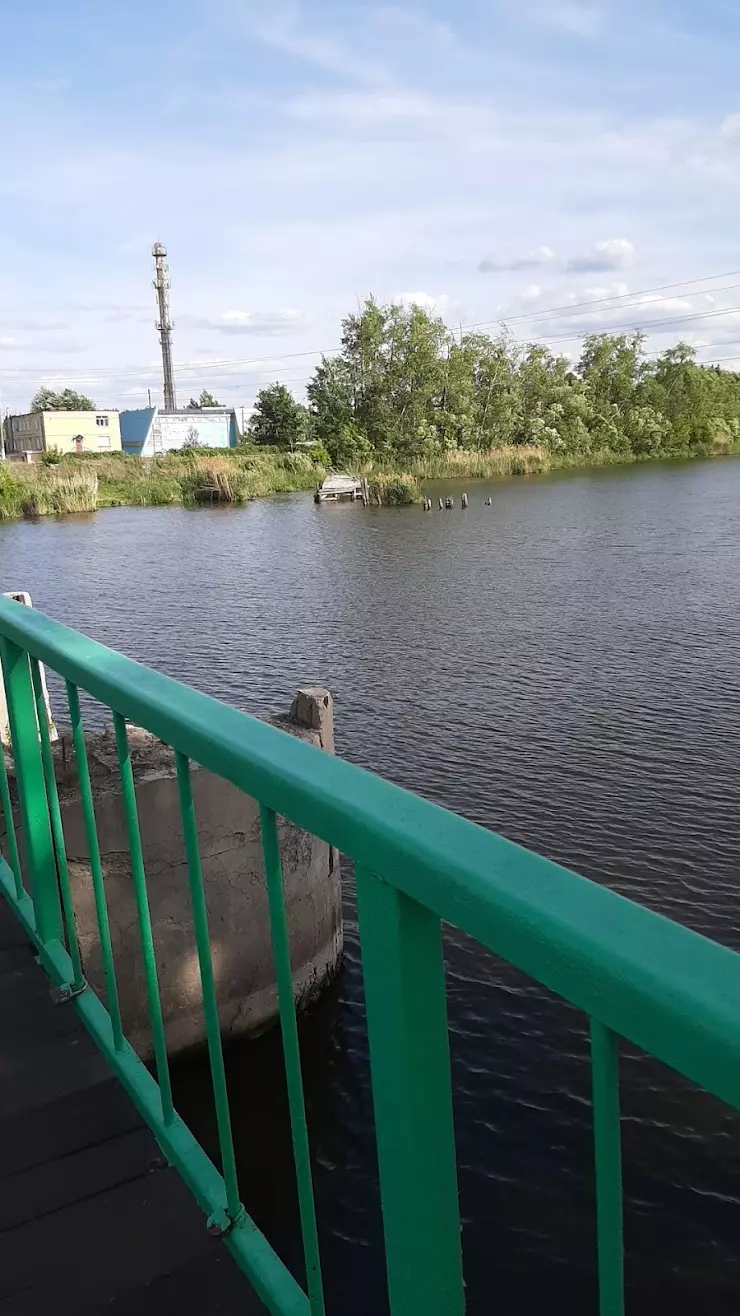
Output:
x=198 y=477
x=461 y=464
x=189 y=478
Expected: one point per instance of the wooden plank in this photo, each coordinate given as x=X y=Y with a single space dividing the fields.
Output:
x=31 y=1194
x=11 y=932
x=29 y=1024
x=16 y=957
x=116 y=1241
x=91 y=1218
x=46 y=1072
x=212 y=1285
x=59 y=1128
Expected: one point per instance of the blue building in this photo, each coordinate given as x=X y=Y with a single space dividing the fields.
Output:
x=151 y=431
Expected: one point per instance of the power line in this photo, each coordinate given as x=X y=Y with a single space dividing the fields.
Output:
x=647 y=327
x=262 y=364
x=561 y=310
x=152 y=367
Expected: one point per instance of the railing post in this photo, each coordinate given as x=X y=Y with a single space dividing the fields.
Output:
x=292 y=1056
x=34 y=807
x=608 y=1154
x=403 y=971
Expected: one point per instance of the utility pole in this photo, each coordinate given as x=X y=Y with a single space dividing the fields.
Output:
x=164 y=324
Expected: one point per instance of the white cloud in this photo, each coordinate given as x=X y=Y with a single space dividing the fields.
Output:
x=284 y=31
x=428 y=301
x=531 y=293
x=730 y=129
x=8 y=344
x=413 y=150
x=527 y=260
x=31 y=324
x=252 y=322
x=578 y=17
x=669 y=317
x=614 y=254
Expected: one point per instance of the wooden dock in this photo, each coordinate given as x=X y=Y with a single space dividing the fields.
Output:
x=92 y=1219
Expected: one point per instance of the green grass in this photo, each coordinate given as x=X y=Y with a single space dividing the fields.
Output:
x=393 y=488
x=197 y=477
x=191 y=478
x=461 y=464
x=46 y=491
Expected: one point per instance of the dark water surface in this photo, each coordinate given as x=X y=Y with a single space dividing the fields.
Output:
x=563 y=666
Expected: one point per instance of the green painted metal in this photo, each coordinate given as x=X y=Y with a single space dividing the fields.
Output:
x=637 y=975
x=608 y=1159
x=610 y=957
x=403 y=971
x=29 y=771
x=210 y=1002
x=270 y=1278
x=96 y=867
x=7 y=812
x=146 y=937
x=292 y=1055
x=57 y=831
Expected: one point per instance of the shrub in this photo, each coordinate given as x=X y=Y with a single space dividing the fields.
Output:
x=394 y=490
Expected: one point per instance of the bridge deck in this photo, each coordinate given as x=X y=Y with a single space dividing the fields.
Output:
x=92 y=1220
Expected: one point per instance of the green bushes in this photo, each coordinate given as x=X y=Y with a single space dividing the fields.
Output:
x=46 y=491
x=461 y=464
x=11 y=493
x=394 y=489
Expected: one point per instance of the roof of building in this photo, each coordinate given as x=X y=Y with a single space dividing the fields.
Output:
x=62 y=411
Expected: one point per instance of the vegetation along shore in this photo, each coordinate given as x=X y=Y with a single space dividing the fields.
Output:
x=406 y=399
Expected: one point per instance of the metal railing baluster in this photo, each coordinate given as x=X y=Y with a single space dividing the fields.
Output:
x=34 y=808
x=138 y=875
x=292 y=1055
x=608 y=1159
x=96 y=867
x=57 y=831
x=208 y=985
x=403 y=972
x=7 y=811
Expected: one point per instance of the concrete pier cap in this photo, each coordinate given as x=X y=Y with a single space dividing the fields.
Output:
x=234 y=881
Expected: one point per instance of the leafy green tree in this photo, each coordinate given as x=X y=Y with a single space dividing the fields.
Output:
x=47 y=400
x=206 y=399
x=277 y=418
x=331 y=400
x=403 y=387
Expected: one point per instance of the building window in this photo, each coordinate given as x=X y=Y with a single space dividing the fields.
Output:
x=103 y=442
x=102 y=420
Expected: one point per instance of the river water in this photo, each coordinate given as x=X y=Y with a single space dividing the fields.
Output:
x=563 y=666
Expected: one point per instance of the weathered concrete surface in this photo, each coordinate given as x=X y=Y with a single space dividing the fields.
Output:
x=233 y=869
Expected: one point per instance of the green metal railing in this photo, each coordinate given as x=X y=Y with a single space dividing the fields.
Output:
x=635 y=974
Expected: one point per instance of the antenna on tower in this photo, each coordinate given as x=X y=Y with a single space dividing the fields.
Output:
x=164 y=323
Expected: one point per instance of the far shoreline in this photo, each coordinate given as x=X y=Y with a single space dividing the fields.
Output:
x=236 y=477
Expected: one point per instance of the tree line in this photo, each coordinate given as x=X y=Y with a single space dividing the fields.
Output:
x=46 y=399
x=404 y=387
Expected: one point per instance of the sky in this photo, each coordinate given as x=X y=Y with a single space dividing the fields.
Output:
x=563 y=166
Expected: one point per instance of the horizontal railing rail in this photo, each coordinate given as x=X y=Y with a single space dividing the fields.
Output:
x=634 y=973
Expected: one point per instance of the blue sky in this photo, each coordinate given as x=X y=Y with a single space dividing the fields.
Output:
x=491 y=158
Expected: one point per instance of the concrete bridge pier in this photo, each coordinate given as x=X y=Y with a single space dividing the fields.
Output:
x=233 y=870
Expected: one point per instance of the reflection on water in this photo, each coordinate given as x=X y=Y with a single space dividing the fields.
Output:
x=563 y=666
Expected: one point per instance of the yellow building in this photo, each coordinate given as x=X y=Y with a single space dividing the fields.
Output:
x=28 y=437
